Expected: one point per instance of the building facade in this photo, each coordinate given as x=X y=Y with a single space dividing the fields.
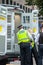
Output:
x=20 y=3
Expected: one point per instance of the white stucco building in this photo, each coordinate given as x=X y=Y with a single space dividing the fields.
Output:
x=20 y=3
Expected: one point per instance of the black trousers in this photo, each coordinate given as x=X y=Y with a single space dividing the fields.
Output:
x=35 y=54
x=40 y=47
x=25 y=54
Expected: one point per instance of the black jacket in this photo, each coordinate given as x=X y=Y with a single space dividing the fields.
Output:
x=41 y=38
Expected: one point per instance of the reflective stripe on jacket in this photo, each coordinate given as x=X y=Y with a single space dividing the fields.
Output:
x=33 y=44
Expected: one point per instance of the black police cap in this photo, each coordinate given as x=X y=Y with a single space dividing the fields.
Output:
x=19 y=26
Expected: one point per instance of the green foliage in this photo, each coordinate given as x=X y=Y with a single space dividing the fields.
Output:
x=29 y=2
x=39 y=3
x=41 y=12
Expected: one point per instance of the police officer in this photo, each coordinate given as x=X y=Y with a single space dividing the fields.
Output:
x=33 y=49
x=41 y=35
x=40 y=46
x=34 y=52
x=24 y=42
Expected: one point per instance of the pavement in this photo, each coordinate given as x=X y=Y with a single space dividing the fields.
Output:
x=17 y=62
x=34 y=62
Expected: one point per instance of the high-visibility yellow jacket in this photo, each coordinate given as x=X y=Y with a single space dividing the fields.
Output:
x=22 y=36
x=33 y=44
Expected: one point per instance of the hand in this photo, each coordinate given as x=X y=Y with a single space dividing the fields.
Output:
x=31 y=44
